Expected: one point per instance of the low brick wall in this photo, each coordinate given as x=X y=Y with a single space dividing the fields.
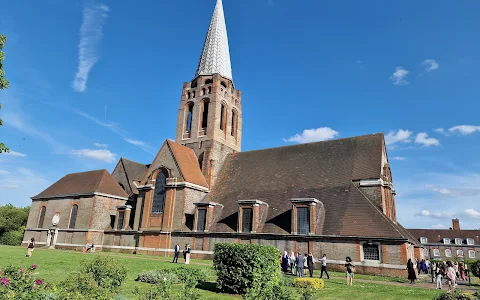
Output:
x=368 y=270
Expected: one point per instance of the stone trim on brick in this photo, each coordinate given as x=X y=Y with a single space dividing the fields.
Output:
x=79 y=195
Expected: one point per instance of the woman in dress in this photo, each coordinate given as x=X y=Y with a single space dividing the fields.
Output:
x=412 y=275
x=292 y=263
x=285 y=262
x=187 y=254
x=451 y=276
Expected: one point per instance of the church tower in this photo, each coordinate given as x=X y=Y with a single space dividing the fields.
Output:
x=210 y=113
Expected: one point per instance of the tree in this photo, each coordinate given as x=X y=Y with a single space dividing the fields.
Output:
x=3 y=83
x=12 y=222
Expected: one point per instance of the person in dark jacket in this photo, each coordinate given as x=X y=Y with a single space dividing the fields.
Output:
x=310 y=264
x=412 y=275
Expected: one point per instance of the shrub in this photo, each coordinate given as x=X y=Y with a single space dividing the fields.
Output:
x=21 y=283
x=277 y=292
x=12 y=238
x=475 y=268
x=154 y=277
x=456 y=295
x=161 y=290
x=106 y=272
x=314 y=283
x=241 y=267
x=307 y=294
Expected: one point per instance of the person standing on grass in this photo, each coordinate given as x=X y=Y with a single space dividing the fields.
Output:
x=292 y=263
x=412 y=275
x=419 y=265
x=438 y=275
x=186 y=254
x=310 y=263
x=451 y=276
x=324 y=266
x=30 y=247
x=350 y=270
x=176 y=252
x=300 y=261
x=285 y=261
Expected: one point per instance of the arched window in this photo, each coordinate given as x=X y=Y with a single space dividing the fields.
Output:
x=42 y=217
x=203 y=91
x=189 y=95
x=208 y=81
x=73 y=216
x=234 y=123
x=193 y=94
x=209 y=89
x=204 y=114
x=188 y=117
x=200 y=160
x=371 y=251
x=159 y=192
x=223 y=116
x=223 y=84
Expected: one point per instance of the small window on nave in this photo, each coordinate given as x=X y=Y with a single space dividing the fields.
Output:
x=42 y=217
x=371 y=252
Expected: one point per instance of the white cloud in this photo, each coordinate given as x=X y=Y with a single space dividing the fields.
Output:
x=399 y=158
x=454 y=192
x=439 y=226
x=464 y=129
x=90 y=37
x=14 y=153
x=98 y=154
x=470 y=212
x=430 y=65
x=401 y=135
x=441 y=131
x=398 y=77
x=313 y=135
x=135 y=142
x=4 y=172
x=100 y=145
x=4 y=186
x=359 y=61
x=25 y=172
x=441 y=215
x=423 y=139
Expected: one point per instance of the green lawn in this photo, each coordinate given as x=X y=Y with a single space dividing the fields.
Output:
x=53 y=265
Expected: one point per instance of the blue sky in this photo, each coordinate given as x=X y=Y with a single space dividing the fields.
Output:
x=94 y=81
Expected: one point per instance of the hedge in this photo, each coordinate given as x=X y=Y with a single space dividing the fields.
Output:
x=242 y=267
x=314 y=283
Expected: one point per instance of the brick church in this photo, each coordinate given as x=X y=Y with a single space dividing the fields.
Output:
x=334 y=197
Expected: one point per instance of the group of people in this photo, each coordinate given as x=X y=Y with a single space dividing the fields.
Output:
x=295 y=264
x=186 y=253
x=448 y=271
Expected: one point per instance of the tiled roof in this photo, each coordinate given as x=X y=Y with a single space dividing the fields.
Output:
x=99 y=181
x=322 y=170
x=437 y=235
x=133 y=171
x=188 y=163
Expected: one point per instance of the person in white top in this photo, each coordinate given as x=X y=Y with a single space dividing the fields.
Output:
x=292 y=263
x=324 y=266
x=176 y=252
x=451 y=276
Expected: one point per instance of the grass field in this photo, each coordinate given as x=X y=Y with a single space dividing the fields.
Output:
x=54 y=265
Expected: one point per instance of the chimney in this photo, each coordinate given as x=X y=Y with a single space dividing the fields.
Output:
x=456 y=224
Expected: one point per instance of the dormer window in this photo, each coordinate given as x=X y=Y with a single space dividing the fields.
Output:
x=304 y=215
x=122 y=219
x=446 y=240
x=458 y=241
x=204 y=215
x=249 y=215
x=470 y=242
x=423 y=240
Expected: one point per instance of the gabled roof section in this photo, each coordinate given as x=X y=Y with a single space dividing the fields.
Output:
x=84 y=183
x=128 y=171
x=188 y=163
x=215 y=56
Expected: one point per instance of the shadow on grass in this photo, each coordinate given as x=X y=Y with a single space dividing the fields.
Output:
x=208 y=286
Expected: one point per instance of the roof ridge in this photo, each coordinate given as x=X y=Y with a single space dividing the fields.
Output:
x=311 y=143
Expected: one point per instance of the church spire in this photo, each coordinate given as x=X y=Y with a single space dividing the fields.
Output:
x=215 y=56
